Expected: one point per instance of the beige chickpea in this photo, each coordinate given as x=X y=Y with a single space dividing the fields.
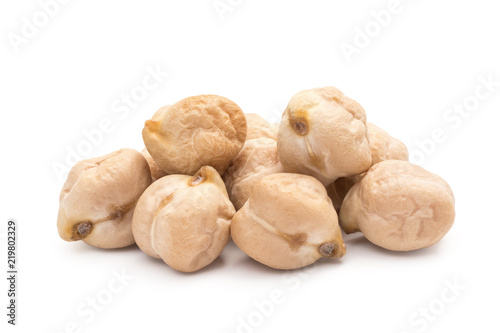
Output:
x=97 y=200
x=399 y=206
x=184 y=220
x=196 y=131
x=323 y=134
x=156 y=171
x=339 y=189
x=258 y=127
x=258 y=158
x=383 y=147
x=288 y=222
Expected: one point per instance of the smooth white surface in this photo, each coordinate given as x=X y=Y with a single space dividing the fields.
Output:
x=67 y=78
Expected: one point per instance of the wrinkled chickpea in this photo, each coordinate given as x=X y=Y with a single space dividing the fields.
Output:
x=399 y=206
x=196 y=131
x=156 y=171
x=383 y=147
x=258 y=127
x=323 y=134
x=184 y=220
x=258 y=158
x=288 y=222
x=98 y=199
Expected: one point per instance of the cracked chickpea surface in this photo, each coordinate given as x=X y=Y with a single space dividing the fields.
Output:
x=98 y=199
x=288 y=222
x=184 y=220
x=323 y=134
x=194 y=132
x=399 y=206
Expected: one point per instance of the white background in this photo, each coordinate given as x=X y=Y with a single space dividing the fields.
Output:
x=70 y=74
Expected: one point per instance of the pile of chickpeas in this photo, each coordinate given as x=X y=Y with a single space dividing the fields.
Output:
x=282 y=192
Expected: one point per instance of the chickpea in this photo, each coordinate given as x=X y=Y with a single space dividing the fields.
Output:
x=258 y=158
x=156 y=171
x=339 y=189
x=399 y=206
x=184 y=220
x=383 y=147
x=196 y=131
x=323 y=134
x=258 y=127
x=288 y=222
x=98 y=199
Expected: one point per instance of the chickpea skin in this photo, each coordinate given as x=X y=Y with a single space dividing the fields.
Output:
x=399 y=206
x=97 y=200
x=383 y=147
x=184 y=220
x=156 y=171
x=288 y=222
x=194 y=132
x=323 y=134
x=258 y=127
x=258 y=158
